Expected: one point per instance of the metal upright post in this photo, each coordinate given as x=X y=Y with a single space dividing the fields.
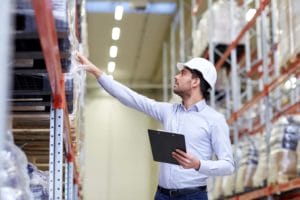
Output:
x=275 y=41
x=266 y=99
x=211 y=47
x=66 y=166
x=182 y=31
x=249 y=89
x=235 y=82
x=56 y=154
x=71 y=180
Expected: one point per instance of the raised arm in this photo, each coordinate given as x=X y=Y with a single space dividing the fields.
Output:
x=128 y=97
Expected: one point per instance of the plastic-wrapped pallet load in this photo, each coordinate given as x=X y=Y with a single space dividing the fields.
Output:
x=252 y=161
x=283 y=156
x=228 y=183
x=38 y=182
x=260 y=175
x=289 y=29
x=14 y=184
x=26 y=19
x=241 y=162
x=221 y=23
x=217 y=191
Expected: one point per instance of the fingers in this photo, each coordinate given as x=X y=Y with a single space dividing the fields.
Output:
x=182 y=158
x=186 y=160
x=81 y=58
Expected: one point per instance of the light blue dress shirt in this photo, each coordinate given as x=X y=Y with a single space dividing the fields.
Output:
x=206 y=133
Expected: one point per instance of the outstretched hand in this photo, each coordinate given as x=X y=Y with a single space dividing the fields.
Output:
x=88 y=65
x=187 y=161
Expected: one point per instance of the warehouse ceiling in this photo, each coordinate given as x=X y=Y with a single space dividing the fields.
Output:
x=138 y=62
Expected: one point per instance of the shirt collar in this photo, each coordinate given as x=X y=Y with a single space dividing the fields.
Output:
x=196 y=107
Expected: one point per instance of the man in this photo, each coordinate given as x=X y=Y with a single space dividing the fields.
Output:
x=205 y=130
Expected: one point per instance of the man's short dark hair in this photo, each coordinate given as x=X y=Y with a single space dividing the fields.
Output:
x=204 y=86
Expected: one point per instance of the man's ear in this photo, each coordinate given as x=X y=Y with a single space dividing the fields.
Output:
x=195 y=82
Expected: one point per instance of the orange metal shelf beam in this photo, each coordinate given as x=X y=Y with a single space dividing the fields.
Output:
x=269 y=190
x=49 y=42
x=291 y=69
x=221 y=61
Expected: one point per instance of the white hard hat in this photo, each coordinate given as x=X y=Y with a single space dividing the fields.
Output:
x=204 y=66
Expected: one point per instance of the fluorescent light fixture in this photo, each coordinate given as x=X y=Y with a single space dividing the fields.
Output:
x=250 y=14
x=113 y=51
x=119 y=12
x=115 y=34
x=163 y=8
x=111 y=67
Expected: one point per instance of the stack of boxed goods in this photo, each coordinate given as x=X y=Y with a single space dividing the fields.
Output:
x=283 y=156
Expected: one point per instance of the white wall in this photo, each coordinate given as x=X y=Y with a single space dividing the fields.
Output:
x=118 y=159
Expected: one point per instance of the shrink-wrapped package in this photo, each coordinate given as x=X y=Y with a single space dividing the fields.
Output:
x=228 y=185
x=217 y=191
x=260 y=175
x=14 y=180
x=288 y=29
x=220 y=24
x=283 y=156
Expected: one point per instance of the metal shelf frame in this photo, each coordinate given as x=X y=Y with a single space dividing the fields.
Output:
x=60 y=136
x=272 y=77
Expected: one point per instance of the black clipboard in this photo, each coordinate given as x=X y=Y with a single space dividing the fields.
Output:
x=164 y=143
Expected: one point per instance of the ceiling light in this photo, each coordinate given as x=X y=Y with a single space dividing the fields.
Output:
x=111 y=67
x=115 y=34
x=113 y=51
x=165 y=8
x=119 y=12
x=250 y=14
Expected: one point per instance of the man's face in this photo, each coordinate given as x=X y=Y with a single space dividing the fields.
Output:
x=183 y=82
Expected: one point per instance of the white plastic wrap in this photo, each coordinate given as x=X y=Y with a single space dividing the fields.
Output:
x=247 y=164
x=38 y=182
x=260 y=175
x=14 y=182
x=228 y=184
x=289 y=29
x=283 y=156
x=221 y=26
x=217 y=191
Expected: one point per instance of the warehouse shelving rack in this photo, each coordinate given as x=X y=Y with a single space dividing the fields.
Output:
x=239 y=105
x=59 y=121
x=60 y=132
x=47 y=135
